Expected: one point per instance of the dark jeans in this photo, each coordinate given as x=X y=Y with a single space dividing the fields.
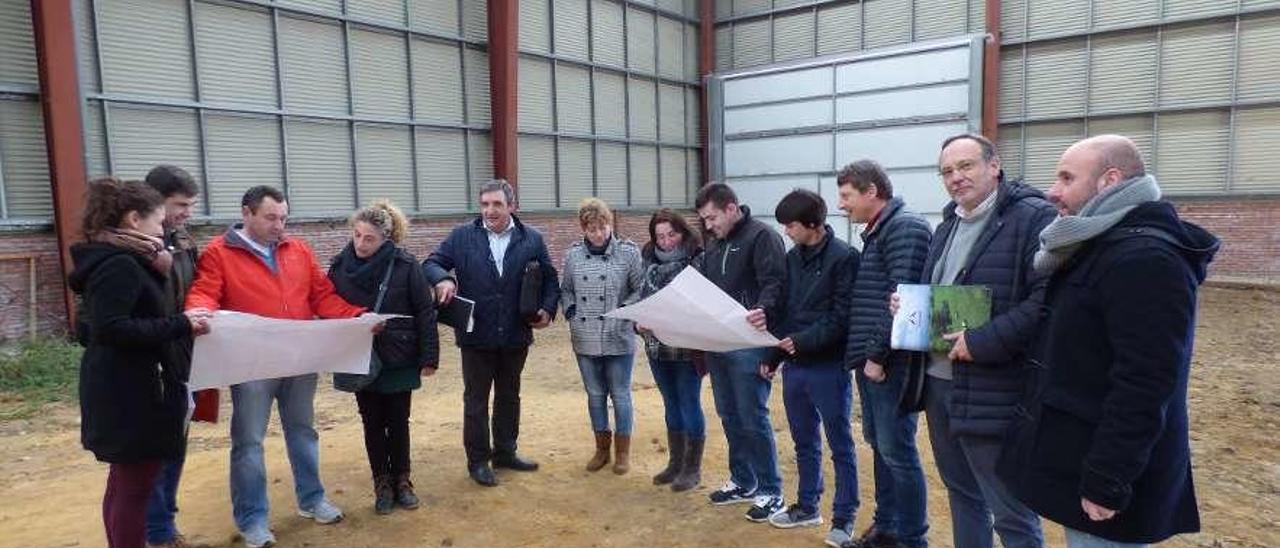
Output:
x=681 y=388
x=124 y=505
x=818 y=398
x=497 y=370
x=386 y=430
x=742 y=401
x=901 y=506
x=162 y=506
x=967 y=466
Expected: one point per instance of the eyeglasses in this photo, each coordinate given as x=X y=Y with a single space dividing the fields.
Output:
x=963 y=166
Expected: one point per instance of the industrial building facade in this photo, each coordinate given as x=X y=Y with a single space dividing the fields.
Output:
x=343 y=101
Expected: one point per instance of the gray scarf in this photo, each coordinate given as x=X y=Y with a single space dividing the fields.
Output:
x=1065 y=235
x=677 y=254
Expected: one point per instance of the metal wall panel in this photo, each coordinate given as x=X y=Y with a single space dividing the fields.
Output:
x=145 y=48
x=480 y=154
x=244 y=151
x=1011 y=85
x=905 y=146
x=576 y=172
x=642 y=105
x=607 y=33
x=537 y=173
x=437 y=82
x=950 y=99
x=320 y=171
x=945 y=65
x=692 y=125
x=237 y=55
x=442 y=170
x=1057 y=17
x=793 y=36
x=435 y=16
x=17 y=44
x=386 y=12
x=1009 y=145
x=95 y=141
x=810 y=113
x=1117 y=13
x=778 y=87
x=644 y=175
x=940 y=18
x=691 y=49
x=1195 y=64
x=535 y=26
x=673 y=177
x=573 y=99
x=571 y=28
x=330 y=7
x=380 y=74
x=384 y=162
x=477 y=82
x=751 y=43
x=1197 y=8
x=670 y=48
x=1138 y=128
x=141 y=138
x=312 y=56
x=24 y=160
x=1057 y=78
x=640 y=41
x=535 y=98
x=1123 y=75
x=888 y=23
x=724 y=48
x=839 y=29
x=611 y=173
x=778 y=155
x=610 y=104
x=671 y=118
x=1045 y=144
x=1259 y=49
x=475 y=21
x=1258 y=139
x=1192 y=150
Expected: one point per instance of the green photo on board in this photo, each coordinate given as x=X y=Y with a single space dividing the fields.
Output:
x=955 y=308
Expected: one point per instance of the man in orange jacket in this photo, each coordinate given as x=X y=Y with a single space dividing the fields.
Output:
x=254 y=268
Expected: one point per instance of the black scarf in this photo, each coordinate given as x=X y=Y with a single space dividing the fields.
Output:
x=597 y=250
x=366 y=273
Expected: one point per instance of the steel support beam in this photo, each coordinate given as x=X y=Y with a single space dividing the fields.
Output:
x=504 y=60
x=991 y=73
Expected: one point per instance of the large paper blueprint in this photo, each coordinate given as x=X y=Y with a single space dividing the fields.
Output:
x=245 y=347
x=691 y=312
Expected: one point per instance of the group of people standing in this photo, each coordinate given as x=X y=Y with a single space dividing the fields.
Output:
x=1070 y=403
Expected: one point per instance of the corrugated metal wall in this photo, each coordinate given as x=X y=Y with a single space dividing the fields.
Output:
x=24 y=166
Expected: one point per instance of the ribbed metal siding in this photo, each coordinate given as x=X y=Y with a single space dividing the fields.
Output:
x=671 y=116
x=437 y=82
x=477 y=76
x=888 y=23
x=436 y=16
x=1258 y=139
x=793 y=36
x=1123 y=76
x=237 y=55
x=724 y=48
x=384 y=160
x=575 y=171
x=1259 y=51
x=571 y=28
x=25 y=162
x=243 y=151
x=1056 y=17
x=1192 y=152
x=641 y=100
x=17 y=44
x=144 y=137
x=537 y=172
x=607 y=37
x=145 y=48
x=940 y=18
x=839 y=29
x=640 y=41
x=573 y=99
x=751 y=43
x=674 y=171
x=535 y=26
x=331 y=7
x=1115 y=13
x=475 y=21
x=535 y=95
x=1045 y=143
x=316 y=75
x=380 y=74
x=378 y=11
x=480 y=153
x=442 y=170
x=644 y=175
x=611 y=173
x=610 y=104
x=320 y=168
x=1056 y=79
x=1195 y=64
x=95 y=140
x=670 y=48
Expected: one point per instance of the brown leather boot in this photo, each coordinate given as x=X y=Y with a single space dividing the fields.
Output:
x=622 y=454
x=601 y=458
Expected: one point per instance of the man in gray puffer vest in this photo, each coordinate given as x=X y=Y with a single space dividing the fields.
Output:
x=988 y=237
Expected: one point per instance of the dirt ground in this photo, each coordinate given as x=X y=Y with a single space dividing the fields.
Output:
x=51 y=489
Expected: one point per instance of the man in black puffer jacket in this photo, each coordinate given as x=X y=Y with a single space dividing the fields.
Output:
x=988 y=237
x=895 y=244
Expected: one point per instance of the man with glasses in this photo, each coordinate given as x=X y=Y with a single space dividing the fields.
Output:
x=988 y=237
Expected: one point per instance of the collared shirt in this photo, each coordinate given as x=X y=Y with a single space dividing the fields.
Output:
x=498 y=242
x=268 y=252
x=982 y=208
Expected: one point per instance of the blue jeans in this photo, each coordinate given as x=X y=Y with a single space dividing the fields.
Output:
x=901 y=506
x=681 y=389
x=821 y=396
x=742 y=401
x=162 y=505
x=251 y=409
x=967 y=466
x=1081 y=539
x=605 y=378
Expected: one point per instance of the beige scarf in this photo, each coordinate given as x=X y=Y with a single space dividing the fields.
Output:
x=146 y=246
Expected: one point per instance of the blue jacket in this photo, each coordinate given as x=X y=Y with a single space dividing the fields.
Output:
x=1112 y=417
x=893 y=252
x=986 y=390
x=816 y=314
x=466 y=254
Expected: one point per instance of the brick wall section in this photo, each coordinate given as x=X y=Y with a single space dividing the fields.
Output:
x=1250 y=230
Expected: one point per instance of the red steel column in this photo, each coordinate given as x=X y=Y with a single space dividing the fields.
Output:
x=55 y=36
x=504 y=35
x=991 y=73
x=706 y=65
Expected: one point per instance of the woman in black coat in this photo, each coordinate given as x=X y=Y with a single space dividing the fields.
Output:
x=133 y=405
x=408 y=348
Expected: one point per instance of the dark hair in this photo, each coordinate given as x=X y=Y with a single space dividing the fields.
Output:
x=719 y=194
x=863 y=174
x=254 y=196
x=989 y=152
x=692 y=240
x=169 y=180
x=495 y=185
x=109 y=199
x=802 y=206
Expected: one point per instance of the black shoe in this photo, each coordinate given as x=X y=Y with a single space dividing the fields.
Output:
x=405 y=497
x=482 y=474
x=383 y=495
x=514 y=462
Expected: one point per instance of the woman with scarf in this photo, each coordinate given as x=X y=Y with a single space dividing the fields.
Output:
x=407 y=349
x=133 y=405
x=603 y=272
x=672 y=247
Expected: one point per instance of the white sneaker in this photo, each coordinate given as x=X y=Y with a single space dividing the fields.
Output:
x=258 y=537
x=765 y=507
x=324 y=513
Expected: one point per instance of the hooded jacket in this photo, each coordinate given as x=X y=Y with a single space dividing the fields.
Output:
x=132 y=399
x=1112 y=417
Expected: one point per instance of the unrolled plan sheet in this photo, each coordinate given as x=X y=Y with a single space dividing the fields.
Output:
x=691 y=312
x=245 y=347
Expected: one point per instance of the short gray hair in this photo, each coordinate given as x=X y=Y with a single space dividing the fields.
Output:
x=495 y=185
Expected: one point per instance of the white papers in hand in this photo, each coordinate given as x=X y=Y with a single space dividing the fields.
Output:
x=244 y=347
x=911 y=323
x=691 y=312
